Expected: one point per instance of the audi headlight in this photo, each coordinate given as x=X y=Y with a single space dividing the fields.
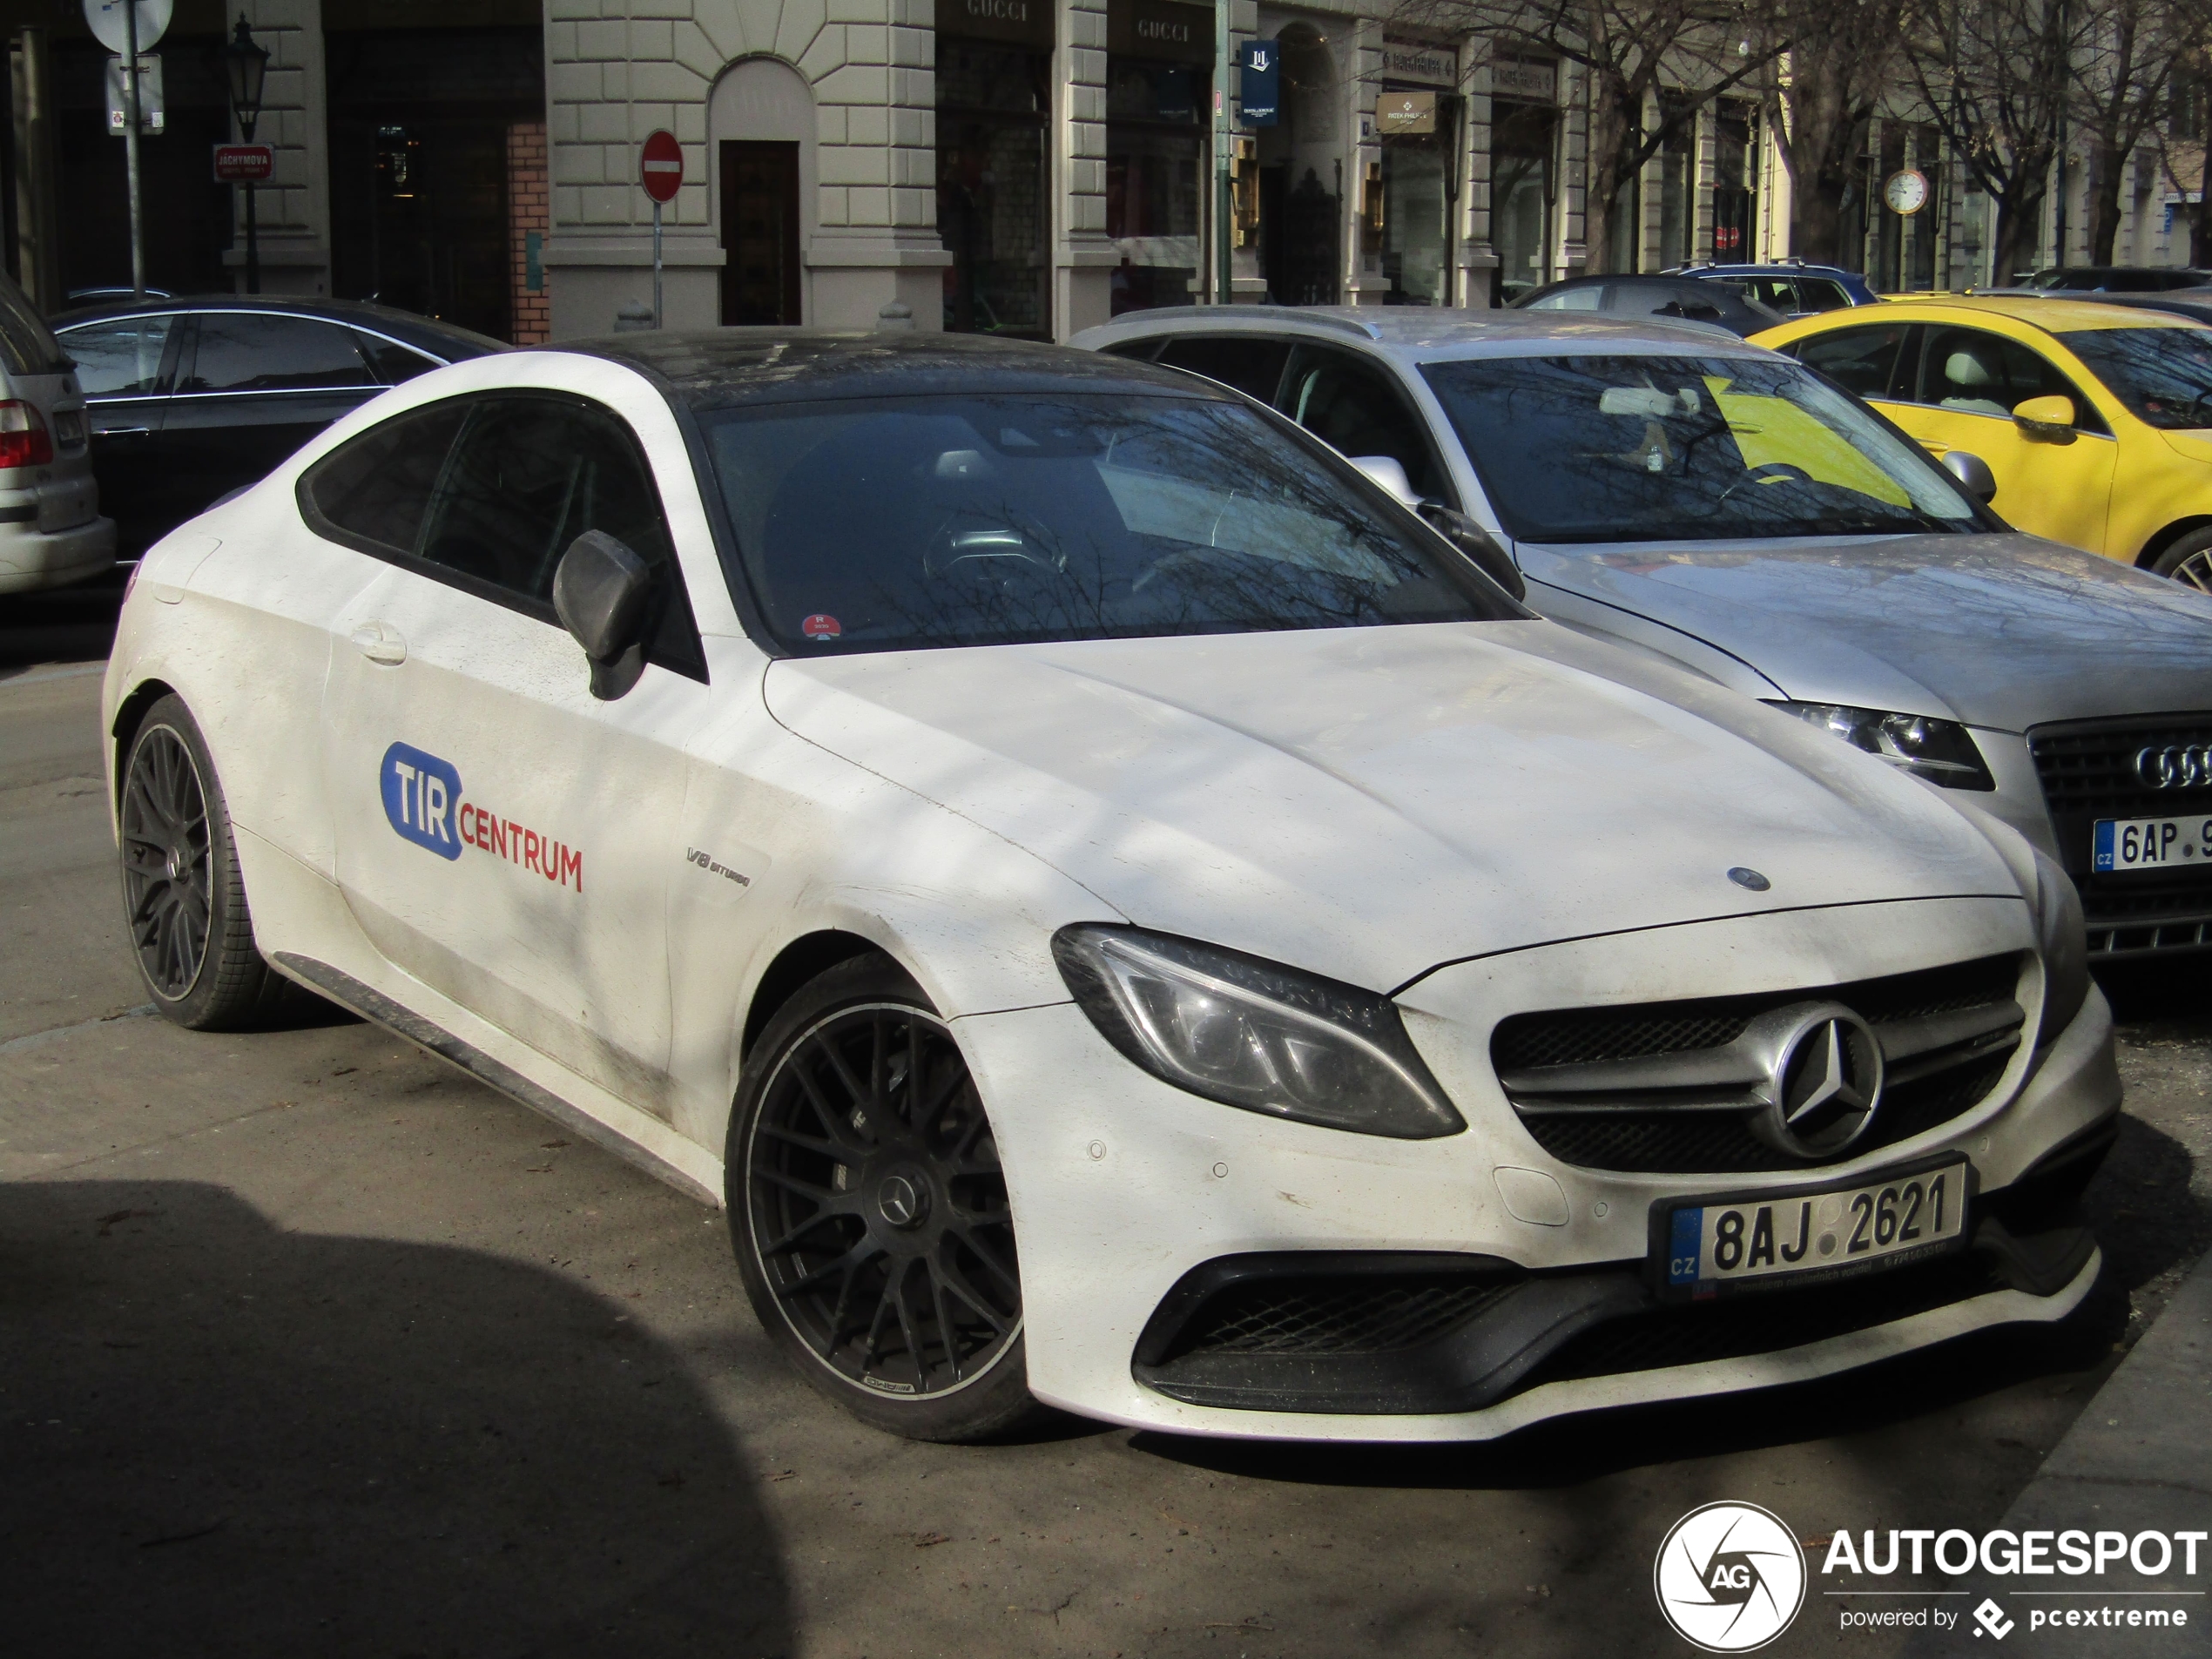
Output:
x=1253 y=1034
x=2063 y=938
x=1940 y=751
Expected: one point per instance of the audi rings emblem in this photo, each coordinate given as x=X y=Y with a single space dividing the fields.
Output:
x=1824 y=1078
x=2175 y=766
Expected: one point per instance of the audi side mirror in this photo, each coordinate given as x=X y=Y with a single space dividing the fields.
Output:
x=1973 y=475
x=600 y=591
x=1391 y=475
x=1469 y=539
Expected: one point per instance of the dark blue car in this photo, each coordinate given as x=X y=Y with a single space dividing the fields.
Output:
x=1789 y=286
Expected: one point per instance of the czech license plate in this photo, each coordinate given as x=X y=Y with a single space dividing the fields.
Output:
x=1766 y=1240
x=2152 y=844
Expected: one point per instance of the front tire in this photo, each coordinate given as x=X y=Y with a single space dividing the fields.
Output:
x=2189 y=560
x=184 y=899
x=869 y=1212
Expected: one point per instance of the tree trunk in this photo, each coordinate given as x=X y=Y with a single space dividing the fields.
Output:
x=1826 y=129
x=2108 y=170
x=1609 y=174
x=2020 y=225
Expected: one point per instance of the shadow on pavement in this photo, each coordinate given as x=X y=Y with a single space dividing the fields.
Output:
x=226 y=1438
x=1575 y=1450
x=60 y=625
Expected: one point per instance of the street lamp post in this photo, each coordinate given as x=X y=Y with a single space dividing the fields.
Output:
x=247 y=62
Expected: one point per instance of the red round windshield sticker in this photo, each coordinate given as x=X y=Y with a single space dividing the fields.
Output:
x=819 y=626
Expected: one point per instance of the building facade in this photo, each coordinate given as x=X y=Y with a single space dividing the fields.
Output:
x=1024 y=167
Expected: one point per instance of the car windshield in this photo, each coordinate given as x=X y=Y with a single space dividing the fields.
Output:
x=1684 y=449
x=907 y=523
x=2164 y=375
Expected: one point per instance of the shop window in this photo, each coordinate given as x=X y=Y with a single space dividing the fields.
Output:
x=1735 y=184
x=1420 y=186
x=1156 y=174
x=993 y=210
x=1522 y=137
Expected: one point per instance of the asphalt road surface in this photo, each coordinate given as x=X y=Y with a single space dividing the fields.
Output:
x=311 y=1346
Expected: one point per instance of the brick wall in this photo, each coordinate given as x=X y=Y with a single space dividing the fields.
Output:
x=529 y=208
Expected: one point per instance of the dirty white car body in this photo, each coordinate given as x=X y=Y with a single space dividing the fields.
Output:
x=595 y=905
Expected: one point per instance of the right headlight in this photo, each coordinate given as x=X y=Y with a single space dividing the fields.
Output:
x=1942 y=752
x=1252 y=1034
x=2063 y=936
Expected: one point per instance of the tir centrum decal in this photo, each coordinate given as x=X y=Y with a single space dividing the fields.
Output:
x=423 y=803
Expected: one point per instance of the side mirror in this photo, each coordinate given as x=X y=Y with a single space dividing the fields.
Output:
x=1973 y=473
x=2046 y=417
x=1477 y=543
x=599 y=593
x=1391 y=475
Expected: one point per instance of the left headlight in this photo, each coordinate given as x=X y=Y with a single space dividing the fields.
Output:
x=2063 y=936
x=1252 y=1034
x=1942 y=752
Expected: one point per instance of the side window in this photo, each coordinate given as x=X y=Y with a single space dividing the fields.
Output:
x=1249 y=363
x=1863 y=360
x=1777 y=293
x=1354 y=407
x=1687 y=302
x=1818 y=294
x=1590 y=297
x=395 y=364
x=529 y=474
x=245 y=351
x=119 y=359
x=1978 y=372
x=372 y=493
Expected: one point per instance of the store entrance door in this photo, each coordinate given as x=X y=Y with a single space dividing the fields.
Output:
x=760 y=233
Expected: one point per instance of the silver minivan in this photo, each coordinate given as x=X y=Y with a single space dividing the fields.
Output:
x=50 y=529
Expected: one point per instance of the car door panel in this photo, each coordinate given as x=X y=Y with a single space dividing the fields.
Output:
x=2058 y=486
x=502 y=835
x=125 y=367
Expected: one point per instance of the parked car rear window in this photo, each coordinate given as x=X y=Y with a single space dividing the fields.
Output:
x=1668 y=448
x=2164 y=375
x=245 y=351
x=902 y=523
x=122 y=358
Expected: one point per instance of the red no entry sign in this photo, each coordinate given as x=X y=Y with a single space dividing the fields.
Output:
x=243 y=163
x=661 y=167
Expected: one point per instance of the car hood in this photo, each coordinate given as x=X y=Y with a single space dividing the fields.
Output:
x=2000 y=630
x=1368 y=802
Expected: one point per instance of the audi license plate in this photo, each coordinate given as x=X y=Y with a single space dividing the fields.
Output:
x=2124 y=844
x=1767 y=1241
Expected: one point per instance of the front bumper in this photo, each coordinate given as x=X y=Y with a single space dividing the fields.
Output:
x=1124 y=1187
x=32 y=558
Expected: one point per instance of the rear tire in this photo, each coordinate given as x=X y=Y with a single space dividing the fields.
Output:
x=184 y=899
x=2189 y=560
x=868 y=1211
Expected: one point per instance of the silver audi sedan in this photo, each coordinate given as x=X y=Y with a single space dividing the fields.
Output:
x=1668 y=487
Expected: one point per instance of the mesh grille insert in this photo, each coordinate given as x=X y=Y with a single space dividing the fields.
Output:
x=1336 y=1314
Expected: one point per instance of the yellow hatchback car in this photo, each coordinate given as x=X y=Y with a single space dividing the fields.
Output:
x=2096 y=419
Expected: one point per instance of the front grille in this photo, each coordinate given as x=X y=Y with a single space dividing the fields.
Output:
x=2087 y=771
x=1334 y=1314
x=1738 y=1327
x=1664 y=1139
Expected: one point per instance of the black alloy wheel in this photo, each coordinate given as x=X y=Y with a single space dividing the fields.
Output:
x=168 y=863
x=870 y=1212
x=184 y=899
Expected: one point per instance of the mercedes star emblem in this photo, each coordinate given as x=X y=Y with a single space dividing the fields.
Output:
x=1824 y=1078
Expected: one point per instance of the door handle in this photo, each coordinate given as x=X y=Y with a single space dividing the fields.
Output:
x=124 y=431
x=381 y=643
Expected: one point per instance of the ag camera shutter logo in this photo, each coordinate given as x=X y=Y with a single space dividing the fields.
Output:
x=1729 y=1577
